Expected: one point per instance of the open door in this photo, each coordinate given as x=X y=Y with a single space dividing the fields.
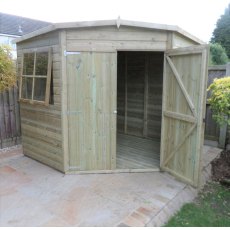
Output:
x=184 y=96
x=91 y=82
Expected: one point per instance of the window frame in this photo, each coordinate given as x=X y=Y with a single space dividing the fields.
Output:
x=34 y=76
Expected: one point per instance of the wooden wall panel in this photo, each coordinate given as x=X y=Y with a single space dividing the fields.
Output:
x=49 y=39
x=111 y=38
x=179 y=40
x=41 y=125
x=111 y=33
x=155 y=84
x=135 y=92
x=121 y=91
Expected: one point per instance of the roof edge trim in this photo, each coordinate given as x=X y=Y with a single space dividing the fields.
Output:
x=84 y=24
x=35 y=33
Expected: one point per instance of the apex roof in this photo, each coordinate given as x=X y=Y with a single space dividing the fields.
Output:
x=117 y=23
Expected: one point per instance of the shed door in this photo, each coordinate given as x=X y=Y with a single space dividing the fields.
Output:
x=91 y=110
x=184 y=93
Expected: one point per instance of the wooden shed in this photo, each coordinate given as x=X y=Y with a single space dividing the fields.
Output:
x=113 y=96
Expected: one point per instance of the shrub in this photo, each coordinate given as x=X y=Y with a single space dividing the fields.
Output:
x=218 y=54
x=220 y=100
x=7 y=69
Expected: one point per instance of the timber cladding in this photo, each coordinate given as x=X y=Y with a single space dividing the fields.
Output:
x=91 y=102
x=41 y=125
x=110 y=79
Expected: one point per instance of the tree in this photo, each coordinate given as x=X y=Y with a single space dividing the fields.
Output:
x=221 y=33
x=7 y=69
x=220 y=100
x=218 y=55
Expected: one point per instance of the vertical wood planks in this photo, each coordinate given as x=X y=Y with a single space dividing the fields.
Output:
x=91 y=110
x=185 y=73
x=9 y=118
x=146 y=95
x=64 y=100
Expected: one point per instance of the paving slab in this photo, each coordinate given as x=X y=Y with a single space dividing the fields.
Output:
x=33 y=194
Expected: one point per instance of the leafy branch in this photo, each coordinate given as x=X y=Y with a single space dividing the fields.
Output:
x=7 y=69
x=220 y=100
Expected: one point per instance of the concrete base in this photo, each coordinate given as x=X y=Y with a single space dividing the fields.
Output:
x=33 y=194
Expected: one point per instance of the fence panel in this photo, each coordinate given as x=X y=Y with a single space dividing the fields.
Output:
x=10 y=130
x=212 y=130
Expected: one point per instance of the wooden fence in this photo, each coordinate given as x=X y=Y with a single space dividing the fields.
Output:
x=212 y=130
x=10 y=130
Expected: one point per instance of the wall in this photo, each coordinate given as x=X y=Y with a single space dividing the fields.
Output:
x=179 y=40
x=41 y=125
x=112 y=39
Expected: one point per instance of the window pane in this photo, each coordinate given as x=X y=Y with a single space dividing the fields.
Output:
x=41 y=63
x=39 y=89
x=28 y=64
x=27 y=87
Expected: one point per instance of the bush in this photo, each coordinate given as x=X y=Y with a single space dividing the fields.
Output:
x=218 y=54
x=220 y=100
x=7 y=69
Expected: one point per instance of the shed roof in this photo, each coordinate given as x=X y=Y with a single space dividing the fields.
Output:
x=18 y=26
x=118 y=22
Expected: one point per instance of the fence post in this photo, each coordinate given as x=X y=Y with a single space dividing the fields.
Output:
x=228 y=69
x=228 y=74
x=224 y=128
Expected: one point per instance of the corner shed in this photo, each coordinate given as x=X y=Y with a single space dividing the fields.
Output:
x=113 y=95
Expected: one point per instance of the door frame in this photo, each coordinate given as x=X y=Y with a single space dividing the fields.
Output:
x=154 y=169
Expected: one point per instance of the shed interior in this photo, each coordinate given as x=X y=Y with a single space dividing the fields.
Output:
x=139 y=109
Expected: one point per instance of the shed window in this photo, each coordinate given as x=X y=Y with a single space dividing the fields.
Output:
x=36 y=77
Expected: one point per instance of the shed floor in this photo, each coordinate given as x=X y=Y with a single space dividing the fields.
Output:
x=137 y=153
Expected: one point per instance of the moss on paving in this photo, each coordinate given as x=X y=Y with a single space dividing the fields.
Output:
x=210 y=209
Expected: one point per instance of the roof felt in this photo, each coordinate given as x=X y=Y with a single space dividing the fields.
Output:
x=18 y=26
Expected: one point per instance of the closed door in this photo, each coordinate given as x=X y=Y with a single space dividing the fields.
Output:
x=91 y=110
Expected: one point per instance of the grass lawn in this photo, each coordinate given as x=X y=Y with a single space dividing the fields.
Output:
x=210 y=209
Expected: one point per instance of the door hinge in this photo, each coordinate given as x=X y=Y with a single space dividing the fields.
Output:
x=70 y=53
x=72 y=112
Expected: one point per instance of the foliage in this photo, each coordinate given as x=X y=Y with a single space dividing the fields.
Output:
x=220 y=100
x=7 y=69
x=221 y=33
x=218 y=54
x=210 y=209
